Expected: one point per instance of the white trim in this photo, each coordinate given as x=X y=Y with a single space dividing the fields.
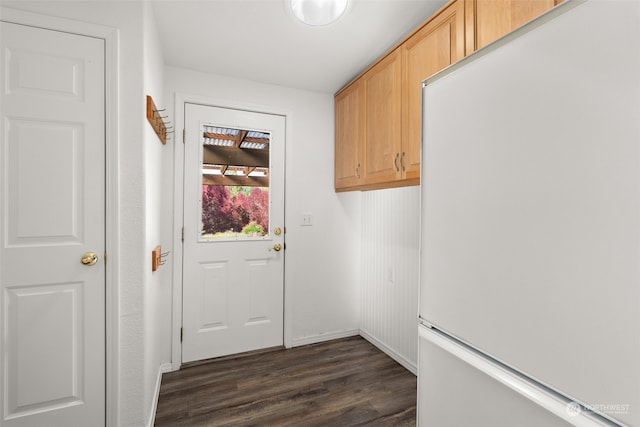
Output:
x=411 y=367
x=112 y=242
x=178 y=220
x=549 y=402
x=113 y=228
x=165 y=367
x=178 y=214
x=329 y=336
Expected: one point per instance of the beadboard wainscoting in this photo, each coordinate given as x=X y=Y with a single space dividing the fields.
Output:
x=390 y=275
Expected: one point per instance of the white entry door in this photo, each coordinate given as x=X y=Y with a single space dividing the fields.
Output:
x=52 y=178
x=233 y=270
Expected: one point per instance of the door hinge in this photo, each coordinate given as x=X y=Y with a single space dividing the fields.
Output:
x=183 y=234
x=180 y=334
x=105 y=258
x=184 y=136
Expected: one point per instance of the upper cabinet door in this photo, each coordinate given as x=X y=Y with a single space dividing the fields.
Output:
x=495 y=18
x=378 y=115
x=435 y=46
x=349 y=123
x=382 y=88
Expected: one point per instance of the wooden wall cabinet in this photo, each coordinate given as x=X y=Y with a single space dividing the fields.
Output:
x=382 y=115
x=378 y=116
x=435 y=46
x=491 y=19
x=368 y=116
x=349 y=133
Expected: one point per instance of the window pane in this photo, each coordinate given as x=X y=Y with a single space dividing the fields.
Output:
x=235 y=184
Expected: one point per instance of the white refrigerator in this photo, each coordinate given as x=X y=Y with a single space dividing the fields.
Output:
x=530 y=227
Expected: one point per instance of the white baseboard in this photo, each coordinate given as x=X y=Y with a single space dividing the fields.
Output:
x=314 y=339
x=165 y=367
x=390 y=352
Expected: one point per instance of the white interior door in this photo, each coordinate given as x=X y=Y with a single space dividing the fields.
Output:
x=233 y=272
x=52 y=130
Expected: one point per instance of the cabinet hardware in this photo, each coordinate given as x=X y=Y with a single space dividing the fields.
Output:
x=402 y=161
x=395 y=162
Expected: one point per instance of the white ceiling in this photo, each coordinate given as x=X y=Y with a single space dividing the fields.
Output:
x=260 y=40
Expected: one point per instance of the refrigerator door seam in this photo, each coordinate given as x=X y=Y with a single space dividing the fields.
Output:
x=561 y=406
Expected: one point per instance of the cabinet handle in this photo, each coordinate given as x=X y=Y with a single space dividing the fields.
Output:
x=358 y=171
x=402 y=161
x=395 y=162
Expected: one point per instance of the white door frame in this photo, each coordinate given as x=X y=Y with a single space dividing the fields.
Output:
x=178 y=212
x=110 y=36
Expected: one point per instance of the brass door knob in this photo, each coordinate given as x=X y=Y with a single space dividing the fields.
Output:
x=277 y=247
x=89 y=258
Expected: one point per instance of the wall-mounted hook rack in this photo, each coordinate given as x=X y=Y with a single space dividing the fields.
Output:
x=162 y=259
x=155 y=117
x=158 y=257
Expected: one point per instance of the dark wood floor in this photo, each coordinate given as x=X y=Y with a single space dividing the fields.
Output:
x=345 y=382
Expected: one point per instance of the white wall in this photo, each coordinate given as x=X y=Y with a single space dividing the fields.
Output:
x=322 y=273
x=390 y=271
x=158 y=167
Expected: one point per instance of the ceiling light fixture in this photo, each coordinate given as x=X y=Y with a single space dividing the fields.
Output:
x=318 y=12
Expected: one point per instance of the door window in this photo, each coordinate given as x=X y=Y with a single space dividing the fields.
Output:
x=235 y=184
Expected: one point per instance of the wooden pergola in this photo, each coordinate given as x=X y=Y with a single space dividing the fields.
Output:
x=236 y=157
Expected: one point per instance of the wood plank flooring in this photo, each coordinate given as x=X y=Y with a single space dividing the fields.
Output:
x=344 y=382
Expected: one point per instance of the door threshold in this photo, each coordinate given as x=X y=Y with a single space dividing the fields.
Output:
x=233 y=356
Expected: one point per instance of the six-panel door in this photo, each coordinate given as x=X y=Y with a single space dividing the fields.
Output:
x=52 y=213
